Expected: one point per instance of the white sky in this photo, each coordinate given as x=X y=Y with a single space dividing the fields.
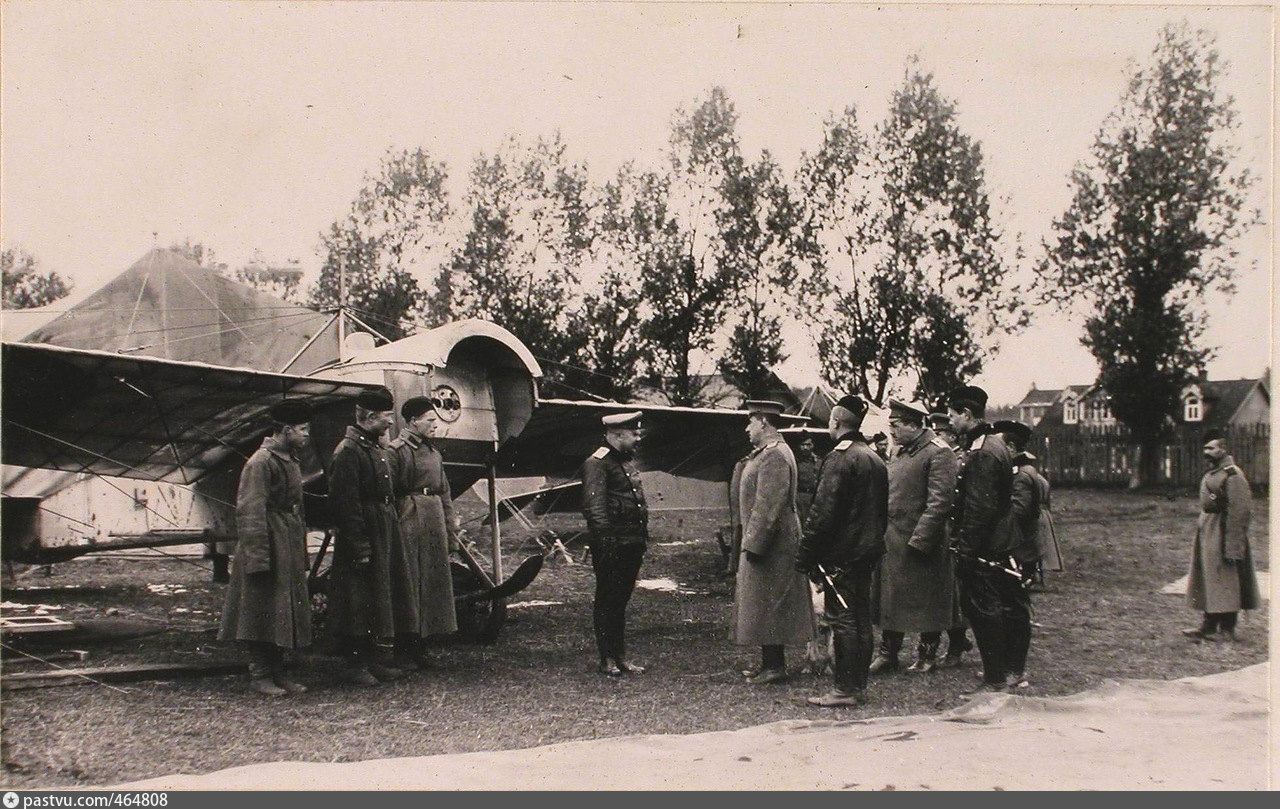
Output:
x=250 y=125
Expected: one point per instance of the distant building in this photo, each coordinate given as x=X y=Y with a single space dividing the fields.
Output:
x=1204 y=403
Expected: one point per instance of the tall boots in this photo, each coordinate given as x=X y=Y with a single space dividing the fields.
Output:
x=265 y=661
x=260 y=680
x=926 y=653
x=850 y=675
x=886 y=658
x=383 y=666
x=773 y=666
x=957 y=644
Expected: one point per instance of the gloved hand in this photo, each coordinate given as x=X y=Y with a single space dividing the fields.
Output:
x=918 y=554
x=752 y=556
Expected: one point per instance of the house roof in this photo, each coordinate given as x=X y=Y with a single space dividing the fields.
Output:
x=1224 y=398
x=1040 y=396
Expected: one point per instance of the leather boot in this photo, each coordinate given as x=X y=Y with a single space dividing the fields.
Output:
x=1208 y=626
x=886 y=658
x=926 y=657
x=957 y=644
x=280 y=678
x=382 y=666
x=850 y=685
x=261 y=682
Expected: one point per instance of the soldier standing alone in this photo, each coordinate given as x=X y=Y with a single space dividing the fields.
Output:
x=618 y=525
x=843 y=542
x=1222 y=580
x=268 y=608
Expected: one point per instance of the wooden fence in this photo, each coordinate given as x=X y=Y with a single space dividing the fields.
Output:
x=1075 y=454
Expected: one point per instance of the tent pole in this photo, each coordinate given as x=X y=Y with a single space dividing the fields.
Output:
x=495 y=533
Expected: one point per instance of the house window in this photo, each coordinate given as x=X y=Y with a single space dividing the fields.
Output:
x=1070 y=412
x=1192 y=409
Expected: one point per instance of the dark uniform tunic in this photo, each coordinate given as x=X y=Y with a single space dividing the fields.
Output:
x=991 y=592
x=618 y=531
x=845 y=535
x=267 y=600
x=1222 y=578
x=429 y=529
x=368 y=552
x=916 y=585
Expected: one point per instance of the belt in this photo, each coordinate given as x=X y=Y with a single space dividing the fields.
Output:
x=294 y=510
x=428 y=491
x=387 y=500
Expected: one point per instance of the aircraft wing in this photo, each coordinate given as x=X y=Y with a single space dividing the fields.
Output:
x=702 y=443
x=140 y=417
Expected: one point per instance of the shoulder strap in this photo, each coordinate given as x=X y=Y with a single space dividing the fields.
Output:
x=600 y=453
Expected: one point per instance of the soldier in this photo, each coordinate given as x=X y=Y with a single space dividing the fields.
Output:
x=1222 y=580
x=880 y=442
x=618 y=526
x=991 y=592
x=1028 y=498
x=430 y=530
x=268 y=608
x=368 y=552
x=917 y=577
x=772 y=606
x=957 y=636
x=806 y=476
x=842 y=544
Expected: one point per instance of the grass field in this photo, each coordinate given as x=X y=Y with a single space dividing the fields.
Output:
x=1103 y=618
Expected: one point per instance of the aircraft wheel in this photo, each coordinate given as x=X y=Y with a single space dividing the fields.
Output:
x=478 y=621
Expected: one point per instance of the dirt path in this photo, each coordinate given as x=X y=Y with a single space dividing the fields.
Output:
x=1196 y=733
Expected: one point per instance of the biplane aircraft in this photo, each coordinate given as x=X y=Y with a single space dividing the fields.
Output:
x=188 y=427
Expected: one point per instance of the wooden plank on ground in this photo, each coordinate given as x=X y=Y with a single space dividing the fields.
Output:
x=117 y=674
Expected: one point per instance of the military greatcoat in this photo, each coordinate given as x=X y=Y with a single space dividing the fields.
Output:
x=1222 y=575
x=267 y=599
x=368 y=551
x=915 y=588
x=772 y=604
x=427 y=523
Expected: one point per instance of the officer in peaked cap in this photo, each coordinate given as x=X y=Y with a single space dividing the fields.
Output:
x=368 y=552
x=771 y=600
x=618 y=529
x=842 y=546
x=268 y=608
x=1016 y=434
x=916 y=586
x=991 y=593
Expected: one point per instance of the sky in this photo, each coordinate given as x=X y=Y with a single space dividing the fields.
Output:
x=249 y=126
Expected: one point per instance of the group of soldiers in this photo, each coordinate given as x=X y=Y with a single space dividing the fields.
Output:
x=946 y=532
x=937 y=536
x=920 y=544
x=390 y=585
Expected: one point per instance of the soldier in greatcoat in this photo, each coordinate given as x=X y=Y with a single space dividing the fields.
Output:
x=268 y=608
x=842 y=544
x=991 y=591
x=958 y=634
x=368 y=551
x=917 y=574
x=772 y=606
x=1222 y=580
x=618 y=528
x=429 y=529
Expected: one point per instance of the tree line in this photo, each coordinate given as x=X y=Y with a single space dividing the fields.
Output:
x=883 y=241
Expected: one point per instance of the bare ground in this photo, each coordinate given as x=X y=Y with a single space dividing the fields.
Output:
x=1101 y=619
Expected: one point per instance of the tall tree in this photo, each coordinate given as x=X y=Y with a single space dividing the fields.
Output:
x=759 y=234
x=395 y=232
x=531 y=226
x=679 y=220
x=905 y=269
x=1158 y=206
x=25 y=287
